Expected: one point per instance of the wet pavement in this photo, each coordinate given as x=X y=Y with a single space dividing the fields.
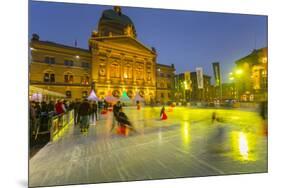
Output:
x=187 y=144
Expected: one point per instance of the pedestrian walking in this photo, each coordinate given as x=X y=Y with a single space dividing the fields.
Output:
x=84 y=112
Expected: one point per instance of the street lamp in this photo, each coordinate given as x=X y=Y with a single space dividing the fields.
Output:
x=238 y=72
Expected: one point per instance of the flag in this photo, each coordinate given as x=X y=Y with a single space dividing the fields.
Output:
x=199 y=74
x=217 y=74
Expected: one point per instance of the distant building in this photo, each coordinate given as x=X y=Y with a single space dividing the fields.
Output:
x=165 y=83
x=183 y=87
x=201 y=95
x=228 y=91
x=252 y=82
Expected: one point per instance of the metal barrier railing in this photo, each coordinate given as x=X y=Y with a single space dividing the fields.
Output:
x=60 y=123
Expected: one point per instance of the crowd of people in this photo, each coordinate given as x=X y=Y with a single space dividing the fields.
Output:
x=42 y=112
x=85 y=112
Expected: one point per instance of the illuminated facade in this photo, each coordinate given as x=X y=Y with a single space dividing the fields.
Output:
x=251 y=83
x=183 y=87
x=205 y=94
x=60 y=68
x=115 y=62
x=165 y=83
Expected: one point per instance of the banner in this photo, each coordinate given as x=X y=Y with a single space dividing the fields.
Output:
x=217 y=74
x=199 y=74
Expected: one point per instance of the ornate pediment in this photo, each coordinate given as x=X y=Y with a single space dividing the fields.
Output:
x=125 y=43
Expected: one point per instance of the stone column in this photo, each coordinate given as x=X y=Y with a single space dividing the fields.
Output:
x=122 y=68
x=108 y=63
x=134 y=70
x=145 y=73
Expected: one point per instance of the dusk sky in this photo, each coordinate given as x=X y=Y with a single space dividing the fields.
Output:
x=185 y=38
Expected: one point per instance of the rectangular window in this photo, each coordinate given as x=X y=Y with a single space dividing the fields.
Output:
x=68 y=62
x=85 y=64
x=49 y=60
x=52 y=60
x=71 y=63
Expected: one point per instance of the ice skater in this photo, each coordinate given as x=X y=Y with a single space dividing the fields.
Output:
x=163 y=114
x=124 y=122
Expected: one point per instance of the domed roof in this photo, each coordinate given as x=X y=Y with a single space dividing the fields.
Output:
x=113 y=22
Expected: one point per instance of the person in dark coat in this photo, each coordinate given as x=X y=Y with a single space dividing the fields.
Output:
x=84 y=112
x=51 y=108
x=123 y=120
x=116 y=109
x=44 y=116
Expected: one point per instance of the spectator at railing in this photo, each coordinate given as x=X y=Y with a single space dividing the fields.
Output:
x=32 y=117
x=37 y=109
x=51 y=108
x=60 y=108
x=44 y=115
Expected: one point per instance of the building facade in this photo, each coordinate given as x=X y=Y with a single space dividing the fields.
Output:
x=201 y=95
x=165 y=83
x=251 y=82
x=115 y=62
x=228 y=91
x=183 y=87
x=60 y=68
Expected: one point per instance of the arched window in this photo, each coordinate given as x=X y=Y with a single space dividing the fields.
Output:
x=115 y=70
x=85 y=79
x=84 y=94
x=68 y=94
x=68 y=77
x=49 y=76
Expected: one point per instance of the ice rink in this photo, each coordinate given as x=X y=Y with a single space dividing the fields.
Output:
x=187 y=144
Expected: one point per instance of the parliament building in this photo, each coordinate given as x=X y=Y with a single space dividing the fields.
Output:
x=115 y=62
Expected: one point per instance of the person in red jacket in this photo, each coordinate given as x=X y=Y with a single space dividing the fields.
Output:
x=60 y=108
x=163 y=114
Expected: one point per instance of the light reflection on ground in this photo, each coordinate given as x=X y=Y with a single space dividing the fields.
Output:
x=187 y=144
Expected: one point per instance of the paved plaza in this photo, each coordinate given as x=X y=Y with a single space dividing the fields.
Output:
x=187 y=144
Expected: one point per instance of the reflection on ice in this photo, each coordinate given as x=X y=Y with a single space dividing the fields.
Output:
x=185 y=132
x=243 y=146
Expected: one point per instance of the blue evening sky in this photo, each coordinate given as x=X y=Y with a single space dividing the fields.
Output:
x=185 y=38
